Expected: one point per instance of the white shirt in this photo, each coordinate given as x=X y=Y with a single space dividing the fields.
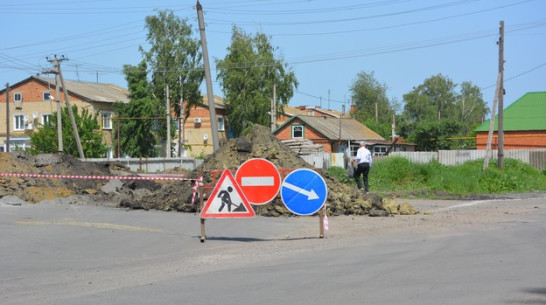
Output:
x=363 y=155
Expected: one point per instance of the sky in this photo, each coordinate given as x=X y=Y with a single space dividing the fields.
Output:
x=325 y=43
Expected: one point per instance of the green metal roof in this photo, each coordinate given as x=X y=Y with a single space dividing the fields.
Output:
x=526 y=113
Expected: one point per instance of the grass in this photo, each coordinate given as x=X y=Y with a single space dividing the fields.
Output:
x=397 y=174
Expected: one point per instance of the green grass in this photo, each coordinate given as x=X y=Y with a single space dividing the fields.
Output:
x=397 y=174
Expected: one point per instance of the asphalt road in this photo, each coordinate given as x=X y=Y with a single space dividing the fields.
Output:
x=77 y=254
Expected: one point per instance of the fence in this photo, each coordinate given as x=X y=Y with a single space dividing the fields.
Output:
x=152 y=165
x=534 y=157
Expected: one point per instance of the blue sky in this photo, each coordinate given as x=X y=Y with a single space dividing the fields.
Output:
x=326 y=43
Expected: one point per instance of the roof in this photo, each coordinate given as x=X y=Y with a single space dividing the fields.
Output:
x=303 y=110
x=91 y=92
x=351 y=129
x=218 y=102
x=526 y=113
x=87 y=91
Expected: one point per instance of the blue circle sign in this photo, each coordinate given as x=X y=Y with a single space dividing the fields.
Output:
x=303 y=191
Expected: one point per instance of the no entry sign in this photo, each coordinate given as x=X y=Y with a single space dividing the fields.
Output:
x=259 y=179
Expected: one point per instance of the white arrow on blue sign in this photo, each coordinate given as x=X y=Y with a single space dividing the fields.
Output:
x=304 y=191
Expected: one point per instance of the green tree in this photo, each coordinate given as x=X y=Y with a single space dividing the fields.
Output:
x=46 y=139
x=434 y=135
x=248 y=74
x=174 y=59
x=471 y=106
x=433 y=100
x=369 y=97
x=135 y=126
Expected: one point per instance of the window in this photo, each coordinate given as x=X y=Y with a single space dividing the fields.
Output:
x=297 y=131
x=106 y=120
x=19 y=122
x=46 y=96
x=221 y=123
x=45 y=118
x=17 y=97
x=379 y=150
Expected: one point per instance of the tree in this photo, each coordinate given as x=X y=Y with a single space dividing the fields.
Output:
x=247 y=75
x=432 y=100
x=369 y=97
x=137 y=138
x=175 y=59
x=434 y=112
x=46 y=139
x=471 y=106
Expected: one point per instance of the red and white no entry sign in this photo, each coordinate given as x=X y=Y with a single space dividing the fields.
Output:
x=259 y=179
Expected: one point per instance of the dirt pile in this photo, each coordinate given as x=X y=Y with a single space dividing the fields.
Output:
x=171 y=195
x=342 y=199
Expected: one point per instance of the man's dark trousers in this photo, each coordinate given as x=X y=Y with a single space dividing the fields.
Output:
x=362 y=169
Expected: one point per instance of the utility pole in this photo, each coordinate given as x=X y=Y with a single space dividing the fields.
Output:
x=67 y=101
x=59 y=116
x=168 y=109
x=491 y=125
x=500 y=131
x=180 y=116
x=58 y=102
x=274 y=109
x=7 y=117
x=210 y=94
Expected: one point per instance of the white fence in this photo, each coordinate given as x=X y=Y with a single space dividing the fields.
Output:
x=152 y=165
x=534 y=157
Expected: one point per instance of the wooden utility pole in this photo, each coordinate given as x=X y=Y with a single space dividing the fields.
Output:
x=59 y=116
x=500 y=130
x=210 y=94
x=168 y=109
x=7 y=117
x=180 y=116
x=491 y=125
x=67 y=101
x=274 y=109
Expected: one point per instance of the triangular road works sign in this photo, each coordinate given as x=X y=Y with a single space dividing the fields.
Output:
x=227 y=200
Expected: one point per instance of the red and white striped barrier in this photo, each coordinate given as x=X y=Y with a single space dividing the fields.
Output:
x=95 y=177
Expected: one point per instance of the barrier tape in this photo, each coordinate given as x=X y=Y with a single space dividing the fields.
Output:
x=94 y=177
x=162 y=175
x=194 y=188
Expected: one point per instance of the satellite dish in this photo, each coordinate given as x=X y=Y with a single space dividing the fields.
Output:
x=35 y=114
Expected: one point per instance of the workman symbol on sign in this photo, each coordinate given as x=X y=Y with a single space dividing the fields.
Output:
x=225 y=197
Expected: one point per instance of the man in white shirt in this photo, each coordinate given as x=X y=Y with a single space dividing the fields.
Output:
x=364 y=160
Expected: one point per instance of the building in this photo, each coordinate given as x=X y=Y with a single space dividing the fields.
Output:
x=196 y=132
x=334 y=134
x=524 y=124
x=32 y=101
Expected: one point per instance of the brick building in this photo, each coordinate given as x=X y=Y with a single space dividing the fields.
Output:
x=32 y=101
x=524 y=124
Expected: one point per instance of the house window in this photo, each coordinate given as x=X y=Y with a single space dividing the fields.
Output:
x=46 y=96
x=17 y=97
x=297 y=131
x=379 y=150
x=45 y=118
x=106 y=120
x=19 y=122
x=221 y=123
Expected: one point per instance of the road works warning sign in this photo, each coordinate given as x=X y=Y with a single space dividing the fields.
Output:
x=227 y=200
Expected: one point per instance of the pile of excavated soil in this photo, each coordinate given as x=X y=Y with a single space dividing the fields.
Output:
x=175 y=195
x=342 y=199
